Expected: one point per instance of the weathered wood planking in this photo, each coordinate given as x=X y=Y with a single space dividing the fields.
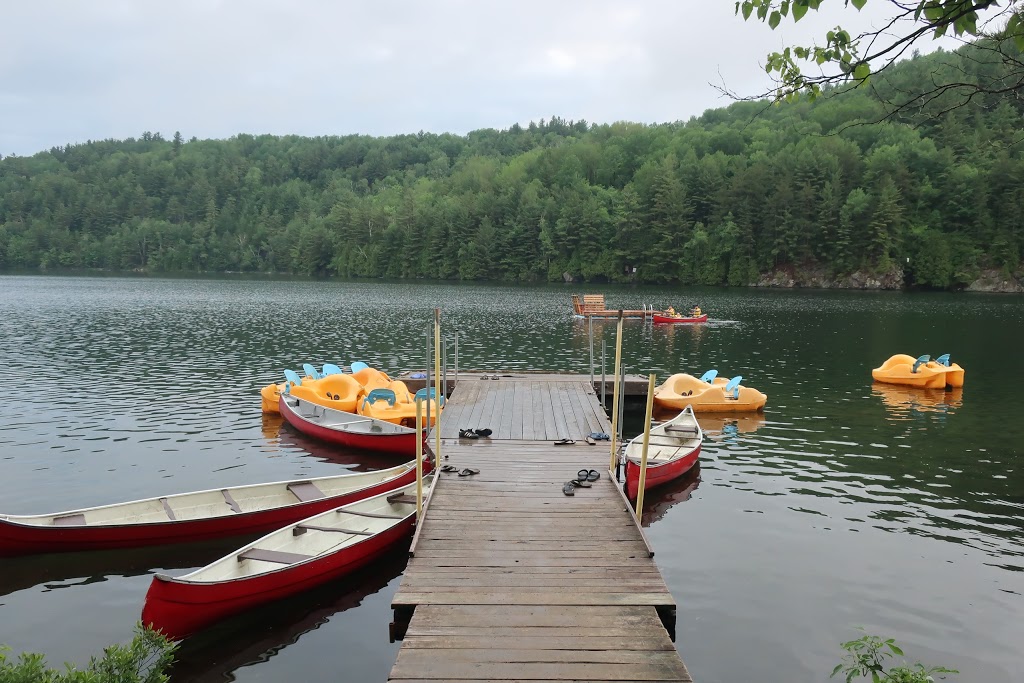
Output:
x=513 y=580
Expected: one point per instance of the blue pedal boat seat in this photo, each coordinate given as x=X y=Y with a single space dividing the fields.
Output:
x=358 y=365
x=734 y=386
x=709 y=376
x=331 y=369
x=943 y=360
x=311 y=371
x=380 y=395
x=293 y=377
x=921 y=360
x=422 y=394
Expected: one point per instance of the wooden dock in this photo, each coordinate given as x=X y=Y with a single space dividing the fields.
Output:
x=510 y=579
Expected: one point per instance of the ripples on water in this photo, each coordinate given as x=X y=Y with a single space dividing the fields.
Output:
x=845 y=503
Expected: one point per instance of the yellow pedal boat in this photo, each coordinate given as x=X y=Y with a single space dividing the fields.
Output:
x=920 y=372
x=368 y=391
x=270 y=394
x=708 y=394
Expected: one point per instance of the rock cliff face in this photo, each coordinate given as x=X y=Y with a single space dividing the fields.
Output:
x=819 y=279
x=996 y=281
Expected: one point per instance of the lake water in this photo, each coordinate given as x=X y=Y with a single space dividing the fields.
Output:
x=844 y=505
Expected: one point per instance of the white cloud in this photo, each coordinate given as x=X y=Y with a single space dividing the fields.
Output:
x=71 y=70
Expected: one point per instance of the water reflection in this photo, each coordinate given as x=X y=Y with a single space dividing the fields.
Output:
x=658 y=501
x=66 y=570
x=258 y=635
x=906 y=403
x=720 y=424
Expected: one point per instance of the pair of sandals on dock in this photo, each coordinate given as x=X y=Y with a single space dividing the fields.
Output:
x=591 y=439
x=582 y=481
x=464 y=472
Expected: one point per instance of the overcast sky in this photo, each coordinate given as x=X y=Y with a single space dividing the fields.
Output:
x=75 y=70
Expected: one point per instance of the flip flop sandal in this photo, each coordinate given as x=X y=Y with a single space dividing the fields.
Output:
x=483 y=432
x=590 y=440
x=580 y=483
x=593 y=475
x=568 y=489
x=449 y=468
x=467 y=471
x=564 y=442
x=582 y=474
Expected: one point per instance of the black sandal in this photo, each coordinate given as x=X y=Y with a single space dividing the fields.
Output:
x=467 y=471
x=568 y=489
x=564 y=442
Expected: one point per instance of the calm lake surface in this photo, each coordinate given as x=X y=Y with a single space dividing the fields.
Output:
x=844 y=505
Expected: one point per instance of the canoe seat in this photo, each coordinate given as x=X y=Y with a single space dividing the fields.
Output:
x=230 y=501
x=401 y=498
x=300 y=529
x=168 y=510
x=681 y=430
x=305 y=491
x=272 y=556
x=69 y=520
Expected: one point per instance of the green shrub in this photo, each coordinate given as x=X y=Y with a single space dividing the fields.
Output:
x=866 y=658
x=144 y=660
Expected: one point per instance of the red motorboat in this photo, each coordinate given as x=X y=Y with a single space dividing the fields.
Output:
x=659 y=318
x=348 y=429
x=287 y=561
x=672 y=450
x=189 y=517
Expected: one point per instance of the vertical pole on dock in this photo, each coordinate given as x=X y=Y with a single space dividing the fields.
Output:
x=622 y=402
x=603 y=380
x=439 y=392
x=456 y=358
x=615 y=392
x=444 y=368
x=419 y=460
x=590 y=335
x=427 y=382
x=643 y=453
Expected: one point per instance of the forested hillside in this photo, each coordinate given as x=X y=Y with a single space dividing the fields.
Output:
x=721 y=199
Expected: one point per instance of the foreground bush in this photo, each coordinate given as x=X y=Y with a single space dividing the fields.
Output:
x=143 y=660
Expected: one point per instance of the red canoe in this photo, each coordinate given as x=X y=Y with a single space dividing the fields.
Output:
x=347 y=429
x=673 y=449
x=285 y=562
x=672 y=319
x=188 y=517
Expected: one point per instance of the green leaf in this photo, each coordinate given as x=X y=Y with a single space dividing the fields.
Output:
x=875 y=678
x=799 y=11
x=862 y=71
x=858 y=3
x=784 y=7
x=895 y=648
x=774 y=19
x=836 y=670
x=747 y=9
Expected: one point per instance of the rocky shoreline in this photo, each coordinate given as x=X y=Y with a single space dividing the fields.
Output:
x=993 y=280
